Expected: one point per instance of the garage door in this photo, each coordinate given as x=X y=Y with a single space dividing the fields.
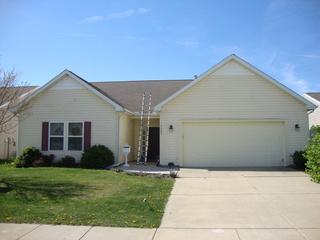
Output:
x=233 y=144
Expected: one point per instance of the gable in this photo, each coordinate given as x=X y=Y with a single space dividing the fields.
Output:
x=67 y=97
x=67 y=83
x=68 y=80
x=241 y=95
x=235 y=66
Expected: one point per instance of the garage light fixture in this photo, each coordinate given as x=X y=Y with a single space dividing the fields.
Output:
x=296 y=126
x=170 y=128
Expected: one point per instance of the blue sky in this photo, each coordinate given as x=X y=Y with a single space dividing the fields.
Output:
x=128 y=40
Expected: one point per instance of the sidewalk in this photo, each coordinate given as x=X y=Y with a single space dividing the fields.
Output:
x=63 y=232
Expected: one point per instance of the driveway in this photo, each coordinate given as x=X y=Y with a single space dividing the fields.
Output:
x=242 y=205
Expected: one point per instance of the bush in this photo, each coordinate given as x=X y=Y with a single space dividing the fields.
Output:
x=44 y=161
x=28 y=156
x=48 y=160
x=314 y=130
x=68 y=161
x=97 y=157
x=8 y=161
x=312 y=153
x=299 y=160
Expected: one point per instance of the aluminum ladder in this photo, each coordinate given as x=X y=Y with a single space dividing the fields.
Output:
x=142 y=155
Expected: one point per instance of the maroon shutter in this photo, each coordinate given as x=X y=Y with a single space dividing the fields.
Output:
x=45 y=135
x=87 y=135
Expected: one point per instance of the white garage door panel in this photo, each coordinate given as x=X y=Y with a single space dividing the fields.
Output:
x=233 y=144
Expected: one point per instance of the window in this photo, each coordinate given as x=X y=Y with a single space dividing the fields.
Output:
x=75 y=136
x=56 y=136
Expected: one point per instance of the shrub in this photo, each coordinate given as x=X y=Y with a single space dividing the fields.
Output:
x=299 y=160
x=28 y=156
x=44 y=161
x=8 y=161
x=314 y=130
x=98 y=157
x=312 y=153
x=48 y=160
x=68 y=161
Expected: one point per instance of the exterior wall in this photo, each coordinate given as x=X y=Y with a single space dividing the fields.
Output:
x=314 y=117
x=125 y=135
x=67 y=101
x=232 y=92
x=10 y=133
x=154 y=122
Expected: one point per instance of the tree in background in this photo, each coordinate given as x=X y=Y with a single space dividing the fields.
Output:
x=12 y=95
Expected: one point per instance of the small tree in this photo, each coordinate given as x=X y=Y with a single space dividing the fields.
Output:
x=11 y=99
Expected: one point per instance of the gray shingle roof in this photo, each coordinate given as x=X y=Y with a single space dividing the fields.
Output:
x=315 y=95
x=7 y=93
x=129 y=93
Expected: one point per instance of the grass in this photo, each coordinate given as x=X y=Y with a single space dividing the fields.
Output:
x=81 y=197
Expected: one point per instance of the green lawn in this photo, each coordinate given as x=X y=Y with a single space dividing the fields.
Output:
x=81 y=197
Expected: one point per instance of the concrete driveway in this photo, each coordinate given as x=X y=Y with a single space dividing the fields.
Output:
x=242 y=205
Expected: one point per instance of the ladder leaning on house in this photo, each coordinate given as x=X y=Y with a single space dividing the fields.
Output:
x=144 y=128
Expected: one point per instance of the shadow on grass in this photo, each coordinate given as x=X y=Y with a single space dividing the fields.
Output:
x=31 y=188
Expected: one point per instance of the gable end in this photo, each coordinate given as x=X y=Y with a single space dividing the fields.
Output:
x=218 y=68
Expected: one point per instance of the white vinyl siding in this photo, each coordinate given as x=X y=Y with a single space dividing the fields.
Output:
x=125 y=135
x=8 y=139
x=314 y=117
x=238 y=95
x=68 y=101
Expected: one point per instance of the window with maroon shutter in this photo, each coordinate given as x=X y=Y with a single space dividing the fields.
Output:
x=45 y=136
x=87 y=135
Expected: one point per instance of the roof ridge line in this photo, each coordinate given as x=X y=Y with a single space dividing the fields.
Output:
x=152 y=80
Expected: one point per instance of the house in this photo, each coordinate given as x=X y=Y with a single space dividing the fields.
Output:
x=8 y=133
x=314 y=116
x=233 y=115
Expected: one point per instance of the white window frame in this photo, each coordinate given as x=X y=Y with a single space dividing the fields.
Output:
x=82 y=136
x=61 y=136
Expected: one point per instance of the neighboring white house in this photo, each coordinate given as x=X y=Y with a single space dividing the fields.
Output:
x=8 y=137
x=233 y=115
x=314 y=116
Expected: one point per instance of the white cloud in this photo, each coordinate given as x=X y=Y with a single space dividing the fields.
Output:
x=273 y=56
x=123 y=14
x=309 y=55
x=143 y=10
x=226 y=50
x=187 y=44
x=75 y=35
x=292 y=80
x=116 y=15
x=91 y=19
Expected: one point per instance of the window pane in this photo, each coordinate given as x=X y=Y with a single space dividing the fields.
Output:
x=56 y=143
x=56 y=129
x=75 y=143
x=75 y=129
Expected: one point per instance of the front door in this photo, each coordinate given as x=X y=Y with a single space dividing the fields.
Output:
x=154 y=143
